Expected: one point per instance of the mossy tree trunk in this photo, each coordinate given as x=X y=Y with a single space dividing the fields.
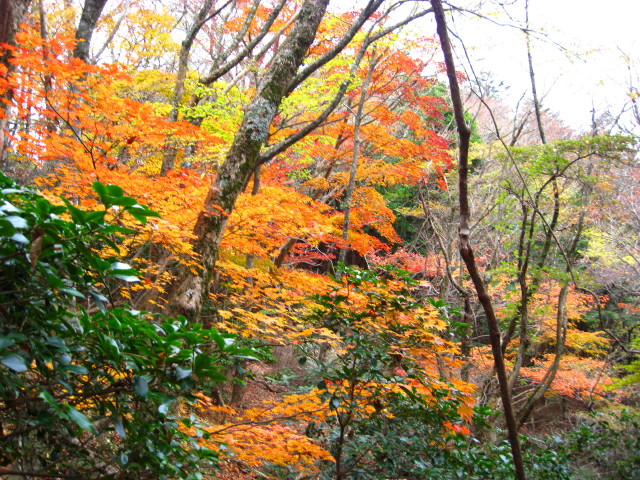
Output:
x=191 y=289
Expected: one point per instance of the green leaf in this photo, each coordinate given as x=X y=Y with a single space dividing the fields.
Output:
x=203 y=365
x=126 y=278
x=15 y=362
x=43 y=206
x=246 y=357
x=338 y=299
x=114 y=190
x=78 y=216
x=139 y=217
x=6 y=228
x=81 y=420
x=99 y=299
x=17 y=222
x=123 y=272
x=6 y=342
x=65 y=359
x=47 y=397
x=125 y=201
x=19 y=238
x=77 y=369
x=141 y=386
x=72 y=291
x=119 y=427
x=143 y=209
x=120 y=266
x=100 y=265
x=181 y=373
x=215 y=376
x=57 y=342
x=101 y=190
x=97 y=217
x=54 y=282
x=141 y=214
x=116 y=229
x=218 y=339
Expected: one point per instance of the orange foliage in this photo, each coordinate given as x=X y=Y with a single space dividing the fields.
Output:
x=79 y=123
x=269 y=304
x=258 y=436
x=431 y=266
x=262 y=223
x=577 y=376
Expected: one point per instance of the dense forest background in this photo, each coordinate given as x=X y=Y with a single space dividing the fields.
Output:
x=284 y=239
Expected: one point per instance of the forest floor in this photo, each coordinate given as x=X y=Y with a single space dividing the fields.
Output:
x=258 y=391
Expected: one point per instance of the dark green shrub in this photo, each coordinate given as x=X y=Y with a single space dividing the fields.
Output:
x=89 y=391
x=606 y=446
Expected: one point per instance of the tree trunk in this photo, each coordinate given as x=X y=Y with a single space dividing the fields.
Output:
x=466 y=251
x=550 y=375
x=351 y=187
x=242 y=159
x=532 y=77
x=88 y=20
x=250 y=259
x=13 y=13
x=5 y=20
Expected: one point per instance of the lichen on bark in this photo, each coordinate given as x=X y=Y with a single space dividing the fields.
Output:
x=259 y=119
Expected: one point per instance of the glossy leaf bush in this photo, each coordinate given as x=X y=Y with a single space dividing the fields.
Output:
x=87 y=389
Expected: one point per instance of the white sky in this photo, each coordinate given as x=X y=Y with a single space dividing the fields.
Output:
x=591 y=73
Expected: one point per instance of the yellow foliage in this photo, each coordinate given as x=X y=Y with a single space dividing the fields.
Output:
x=587 y=343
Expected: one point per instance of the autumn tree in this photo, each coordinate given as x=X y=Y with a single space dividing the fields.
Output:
x=243 y=157
x=273 y=138
x=245 y=153
x=565 y=356
x=88 y=19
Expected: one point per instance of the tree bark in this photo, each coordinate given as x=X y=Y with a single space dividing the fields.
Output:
x=532 y=77
x=466 y=251
x=250 y=259
x=242 y=159
x=5 y=20
x=13 y=13
x=88 y=20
